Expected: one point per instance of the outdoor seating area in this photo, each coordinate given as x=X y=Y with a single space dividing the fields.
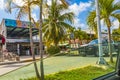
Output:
x=10 y=56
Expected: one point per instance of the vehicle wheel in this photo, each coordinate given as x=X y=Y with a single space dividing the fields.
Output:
x=96 y=53
x=83 y=54
x=106 y=55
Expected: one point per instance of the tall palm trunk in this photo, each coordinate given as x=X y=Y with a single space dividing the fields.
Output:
x=109 y=45
x=32 y=45
x=40 y=43
x=119 y=25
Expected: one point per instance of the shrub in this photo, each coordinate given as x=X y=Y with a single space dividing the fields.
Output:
x=53 y=50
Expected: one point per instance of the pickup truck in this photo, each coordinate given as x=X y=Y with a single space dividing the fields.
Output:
x=92 y=48
x=115 y=75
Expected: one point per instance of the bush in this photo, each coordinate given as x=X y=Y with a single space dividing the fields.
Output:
x=53 y=50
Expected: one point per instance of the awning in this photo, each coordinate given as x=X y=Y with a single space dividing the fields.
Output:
x=17 y=28
x=20 y=32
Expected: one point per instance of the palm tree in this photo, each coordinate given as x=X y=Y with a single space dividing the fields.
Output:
x=108 y=11
x=54 y=26
x=24 y=10
x=91 y=21
x=116 y=34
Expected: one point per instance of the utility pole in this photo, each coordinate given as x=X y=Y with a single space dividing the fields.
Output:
x=41 y=42
x=101 y=59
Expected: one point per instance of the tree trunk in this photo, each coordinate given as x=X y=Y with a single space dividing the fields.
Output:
x=109 y=45
x=55 y=43
x=40 y=43
x=32 y=45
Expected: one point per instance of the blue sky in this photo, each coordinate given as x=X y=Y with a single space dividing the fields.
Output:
x=80 y=8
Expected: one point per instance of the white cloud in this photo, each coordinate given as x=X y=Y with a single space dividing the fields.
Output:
x=115 y=24
x=103 y=25
x=49 y=2
x=78 y=8
x=19 y=2
x=1 y=4
x=78 y=24
x=34 y=16
x=115 y=1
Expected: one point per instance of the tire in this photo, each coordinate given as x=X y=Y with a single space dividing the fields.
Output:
x=106 y=55
x=83 y=54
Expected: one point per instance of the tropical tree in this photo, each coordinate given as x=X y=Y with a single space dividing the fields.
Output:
x=116 y=34
x=109 y=10
x=24 y=10
x=91 y=21
x=80 y=34
x=54 y=27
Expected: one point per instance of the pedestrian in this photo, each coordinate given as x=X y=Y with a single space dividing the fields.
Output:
x=2 y=42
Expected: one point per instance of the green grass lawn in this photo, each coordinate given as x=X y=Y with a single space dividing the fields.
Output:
x=87 y=73
x=51 y=65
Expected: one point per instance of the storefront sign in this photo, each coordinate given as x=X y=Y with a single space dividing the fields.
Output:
x=10 y=23
x=17 y=23
x=17 y=40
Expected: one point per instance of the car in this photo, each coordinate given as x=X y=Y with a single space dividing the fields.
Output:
x=92 y=48
x=114 y=75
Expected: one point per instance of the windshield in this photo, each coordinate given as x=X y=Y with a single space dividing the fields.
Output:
x=93 y=42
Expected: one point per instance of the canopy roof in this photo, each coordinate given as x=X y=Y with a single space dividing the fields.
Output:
x=20 y=32
x=17 y=28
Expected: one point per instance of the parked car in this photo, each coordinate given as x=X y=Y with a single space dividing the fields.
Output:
x=115 y=75
x=92 y=48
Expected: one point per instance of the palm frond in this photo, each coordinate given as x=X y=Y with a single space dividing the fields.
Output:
x=67 y=16
x=8 y=4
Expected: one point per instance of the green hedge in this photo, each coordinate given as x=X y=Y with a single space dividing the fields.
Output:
x=53 y=50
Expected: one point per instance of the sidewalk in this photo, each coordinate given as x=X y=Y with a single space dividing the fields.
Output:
x=22 y=59
x=8 y=66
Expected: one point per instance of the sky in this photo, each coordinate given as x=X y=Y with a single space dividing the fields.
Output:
x=80 y=8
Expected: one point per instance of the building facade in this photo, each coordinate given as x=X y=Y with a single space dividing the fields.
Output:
x=16 y=33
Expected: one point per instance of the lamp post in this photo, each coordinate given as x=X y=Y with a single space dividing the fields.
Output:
x=101 y=59
x=40 y=42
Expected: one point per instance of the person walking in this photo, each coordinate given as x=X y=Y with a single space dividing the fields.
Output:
x=2 y=42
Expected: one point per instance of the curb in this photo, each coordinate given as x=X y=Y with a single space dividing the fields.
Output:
x=14 y=62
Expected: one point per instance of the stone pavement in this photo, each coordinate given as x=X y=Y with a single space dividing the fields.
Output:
x=9 y=66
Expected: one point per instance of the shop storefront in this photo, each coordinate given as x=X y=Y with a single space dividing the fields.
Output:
x=17 y=36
